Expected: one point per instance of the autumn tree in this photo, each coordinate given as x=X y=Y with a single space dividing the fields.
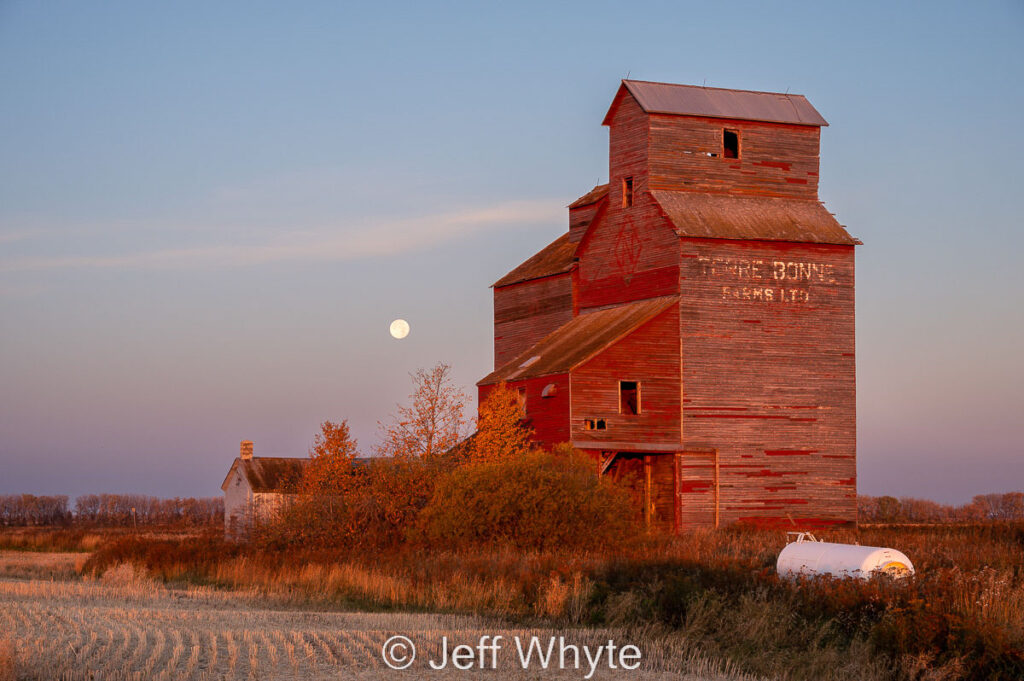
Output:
x=322 y=510
x=500 y=432
x=330 y=469
x=433 y=423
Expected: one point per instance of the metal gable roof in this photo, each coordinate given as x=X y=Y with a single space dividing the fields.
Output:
x=580 y=339
x=728 y=216
x=555 y=258
x=593 y=196
x=693 y=100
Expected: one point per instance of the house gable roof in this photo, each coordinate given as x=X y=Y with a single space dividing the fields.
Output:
x=580 y=339
x=693 y=100
x=274 y=473
x=730 y=216
x=268 y=473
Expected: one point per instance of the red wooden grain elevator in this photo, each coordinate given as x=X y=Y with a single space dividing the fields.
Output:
x=694 y=328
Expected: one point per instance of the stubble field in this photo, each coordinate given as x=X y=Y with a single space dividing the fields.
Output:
x=124 y=625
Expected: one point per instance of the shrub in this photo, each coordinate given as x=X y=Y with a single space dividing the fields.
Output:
x=536 y=500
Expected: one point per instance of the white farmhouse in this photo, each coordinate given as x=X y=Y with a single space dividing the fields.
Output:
x=256 y=488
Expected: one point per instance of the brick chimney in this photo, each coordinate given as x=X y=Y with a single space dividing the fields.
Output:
x=245 y=451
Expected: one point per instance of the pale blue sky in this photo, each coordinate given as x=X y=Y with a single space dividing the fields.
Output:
x=210 y=212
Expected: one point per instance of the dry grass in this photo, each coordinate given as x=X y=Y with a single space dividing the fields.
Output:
x=41 y=565
x=56 y=539
x=82 y=539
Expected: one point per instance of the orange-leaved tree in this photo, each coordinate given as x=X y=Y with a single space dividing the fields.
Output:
x=501 y=433
x=433 y=423
x=322 y=512
x=331 y=467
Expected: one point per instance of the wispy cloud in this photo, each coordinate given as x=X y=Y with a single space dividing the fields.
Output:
x=366 y=240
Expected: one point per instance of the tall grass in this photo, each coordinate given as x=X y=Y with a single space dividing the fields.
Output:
x=962 y=616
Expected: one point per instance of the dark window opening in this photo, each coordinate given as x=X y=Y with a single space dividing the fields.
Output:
x=730 y=144
x=627 y=192
x=629 y=397
x=594 y=424
x=521 y=398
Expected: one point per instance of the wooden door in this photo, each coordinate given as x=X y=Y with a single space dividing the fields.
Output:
x=661 y=491
x=650 y=479
x=628 y=471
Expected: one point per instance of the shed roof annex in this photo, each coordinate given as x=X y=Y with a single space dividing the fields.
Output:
x=580 y=339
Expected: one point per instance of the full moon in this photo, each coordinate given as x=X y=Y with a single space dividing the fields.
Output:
x=399 y=328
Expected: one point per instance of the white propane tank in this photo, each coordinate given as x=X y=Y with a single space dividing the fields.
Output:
x=806 y=556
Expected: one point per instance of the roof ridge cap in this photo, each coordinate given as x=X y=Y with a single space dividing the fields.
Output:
x=726 y=89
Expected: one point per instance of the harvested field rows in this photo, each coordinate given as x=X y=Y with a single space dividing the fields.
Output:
x=140 y=630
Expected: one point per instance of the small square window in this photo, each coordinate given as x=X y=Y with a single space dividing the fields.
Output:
x=594 y=424
x=730 y=144
x=627 y=192
x=629 y=398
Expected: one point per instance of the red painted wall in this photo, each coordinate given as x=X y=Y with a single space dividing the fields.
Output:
x=775 y=159
x=650 y=355
x=628 y=254
x=580 y=218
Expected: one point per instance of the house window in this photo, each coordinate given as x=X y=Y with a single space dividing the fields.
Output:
x=627 y=192
x=521 y=398
x=594 y=424
x=629 y=398
x=730 y=144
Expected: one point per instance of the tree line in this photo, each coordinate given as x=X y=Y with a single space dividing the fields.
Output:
x=109 y=510
x=982 y=508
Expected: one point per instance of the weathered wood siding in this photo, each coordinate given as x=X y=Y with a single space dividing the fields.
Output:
x=627 y=149
x=775 y=159
x=767 y=334
x=547 y=416
x=245 y=509
x=526 y=312
x=695 y=487
x=237 y=507
x=650 y=356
